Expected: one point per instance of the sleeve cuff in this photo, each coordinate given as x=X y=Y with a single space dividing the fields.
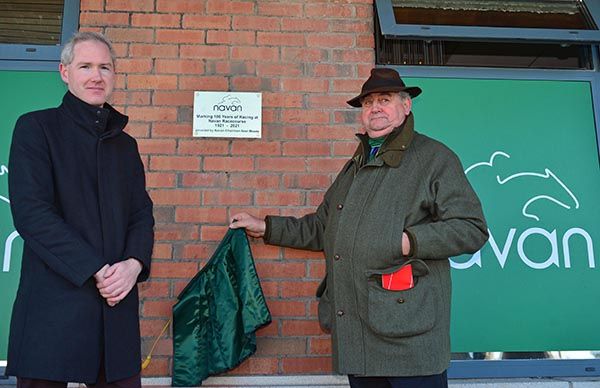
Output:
x=267 y=235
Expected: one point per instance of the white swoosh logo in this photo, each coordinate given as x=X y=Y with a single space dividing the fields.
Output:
x=548 y=174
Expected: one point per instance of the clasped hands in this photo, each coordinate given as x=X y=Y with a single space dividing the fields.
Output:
x=115 y=281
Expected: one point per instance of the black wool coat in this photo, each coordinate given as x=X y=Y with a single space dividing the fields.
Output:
x=78 y=199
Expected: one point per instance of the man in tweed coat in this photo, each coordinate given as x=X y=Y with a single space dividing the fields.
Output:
x=402 y=200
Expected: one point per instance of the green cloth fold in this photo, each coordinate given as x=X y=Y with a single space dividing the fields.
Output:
x=217 y=314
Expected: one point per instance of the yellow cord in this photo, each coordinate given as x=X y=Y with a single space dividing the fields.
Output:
x=146 y=362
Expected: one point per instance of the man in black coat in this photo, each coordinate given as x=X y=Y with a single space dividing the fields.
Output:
x=78 y=199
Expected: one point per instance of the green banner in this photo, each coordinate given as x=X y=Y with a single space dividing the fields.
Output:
x=21 y=92
x=529 y=149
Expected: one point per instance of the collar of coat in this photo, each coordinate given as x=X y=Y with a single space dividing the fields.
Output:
x=393 y=148
x=104 y=122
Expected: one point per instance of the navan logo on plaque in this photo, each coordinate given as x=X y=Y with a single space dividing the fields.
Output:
x=227 y=114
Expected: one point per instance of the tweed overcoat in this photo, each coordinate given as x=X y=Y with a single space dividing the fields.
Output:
x=414 y=185
x=78 y=199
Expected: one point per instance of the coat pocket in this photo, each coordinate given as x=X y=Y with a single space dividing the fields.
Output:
x=324 y=307
x=402 y=313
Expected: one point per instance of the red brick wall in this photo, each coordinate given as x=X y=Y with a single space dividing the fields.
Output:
x=307 y=57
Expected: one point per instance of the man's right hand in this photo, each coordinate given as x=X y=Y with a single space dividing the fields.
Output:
x=99 y=276
x=255 y=227
x=119 y=279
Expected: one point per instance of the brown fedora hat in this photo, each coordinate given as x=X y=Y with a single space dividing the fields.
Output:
x=384 y=80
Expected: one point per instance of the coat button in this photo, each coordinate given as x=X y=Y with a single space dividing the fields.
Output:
x=340 y=313
x=400 y=300
x=340 y=206
x=336 y=257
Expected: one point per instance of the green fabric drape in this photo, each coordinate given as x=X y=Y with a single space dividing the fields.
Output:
x=217 y=314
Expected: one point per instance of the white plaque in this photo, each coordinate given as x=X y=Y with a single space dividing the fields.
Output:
x=227 y=114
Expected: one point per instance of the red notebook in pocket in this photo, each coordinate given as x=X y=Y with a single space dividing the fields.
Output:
x=399 y=280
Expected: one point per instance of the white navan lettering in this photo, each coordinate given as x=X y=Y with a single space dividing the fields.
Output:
x=8 y=250
x=4 y=170
x=228 y=103
x=553 y=259
x=589 y=245
x=552 y=238
x=11 y=237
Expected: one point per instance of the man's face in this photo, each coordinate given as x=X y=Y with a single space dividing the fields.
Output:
x=91 y=74
x=382 y=112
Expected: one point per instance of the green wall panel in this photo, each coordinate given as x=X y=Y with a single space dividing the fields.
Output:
x=21 y=92
x=534 y=286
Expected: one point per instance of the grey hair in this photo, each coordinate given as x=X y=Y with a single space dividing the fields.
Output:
x=404 y=95
x=67 y=54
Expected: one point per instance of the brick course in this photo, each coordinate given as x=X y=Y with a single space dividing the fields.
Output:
x=307 y=58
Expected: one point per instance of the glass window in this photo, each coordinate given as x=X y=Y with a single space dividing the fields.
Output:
x=32 y=32
x=562 y=14
x=555 y=34
x=483 y=54
x=32 y=22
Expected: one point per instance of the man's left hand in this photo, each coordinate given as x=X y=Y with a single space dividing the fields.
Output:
x=118 y=280
x=405 y=244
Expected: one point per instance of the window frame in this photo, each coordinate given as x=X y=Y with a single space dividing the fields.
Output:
x=37 y=57
x=389 y=29
x=489 y=369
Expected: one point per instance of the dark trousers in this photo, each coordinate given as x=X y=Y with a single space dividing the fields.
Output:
x=434 y=381
x=130 y=382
